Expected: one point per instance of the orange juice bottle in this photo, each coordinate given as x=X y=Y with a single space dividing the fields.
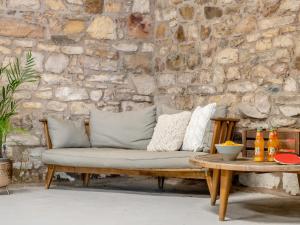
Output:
x=272 y=146
x=259 y=145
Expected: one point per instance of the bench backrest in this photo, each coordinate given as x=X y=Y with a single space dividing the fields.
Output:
x=223 y=131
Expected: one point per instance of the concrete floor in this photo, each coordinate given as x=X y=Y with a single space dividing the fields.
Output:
x=136 y=201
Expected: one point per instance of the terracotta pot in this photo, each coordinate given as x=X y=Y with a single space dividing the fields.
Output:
x=5 y=173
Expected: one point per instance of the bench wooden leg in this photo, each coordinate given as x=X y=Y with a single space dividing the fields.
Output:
x=208 y=177
x=215 y=186
x=49 y=176
x=226 y=179
x=86 y=179
x=161 y=181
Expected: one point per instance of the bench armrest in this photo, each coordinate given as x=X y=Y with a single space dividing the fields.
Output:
x=46 y=133
x=223 y=131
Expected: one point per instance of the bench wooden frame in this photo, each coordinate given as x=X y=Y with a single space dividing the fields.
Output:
x=223 y=130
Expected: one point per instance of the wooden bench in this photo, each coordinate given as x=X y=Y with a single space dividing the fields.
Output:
x=223 y=130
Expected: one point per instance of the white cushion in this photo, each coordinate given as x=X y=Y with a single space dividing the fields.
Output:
x=169 y=132
x=194 y=136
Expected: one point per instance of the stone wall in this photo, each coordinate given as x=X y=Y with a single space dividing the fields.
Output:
x=122 y=55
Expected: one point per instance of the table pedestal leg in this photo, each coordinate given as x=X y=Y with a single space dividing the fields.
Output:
x=215 y=186
x=226 y=179
x=298 y=175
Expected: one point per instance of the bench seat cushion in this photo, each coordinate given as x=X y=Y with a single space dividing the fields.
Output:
x=118 y=158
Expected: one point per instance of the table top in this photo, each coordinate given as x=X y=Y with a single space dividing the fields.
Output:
x=215 y=161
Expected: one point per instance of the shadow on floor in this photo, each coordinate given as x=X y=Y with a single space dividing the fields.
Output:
x=282 y=210
x=139 y=185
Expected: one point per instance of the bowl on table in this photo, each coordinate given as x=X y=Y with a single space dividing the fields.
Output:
x=230 y=151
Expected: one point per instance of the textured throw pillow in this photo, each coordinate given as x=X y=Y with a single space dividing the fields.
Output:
x=131 y=130
x=195 y=132
x=66 y=134
x=221 y=111
x=169 y=132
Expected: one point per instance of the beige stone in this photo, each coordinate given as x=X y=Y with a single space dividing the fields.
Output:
x=283 y=41
x=102 y=27
x=76 y=2
x=228 y=56
x=74 y=26
x=96 y=95
x=290 y=85
x=48 y=47
x=289 y=5
x=141 y=6
x=275 y=21
x=72 y=50
x=32 y=105
x=233 y=73
x=24 y=43
x=112 y=6
x=187 y=12
x=47 y=94
x=137 y=62
x=80 y=108
x=263 y=44
x=18 y=28
x=55 y=4
x=4 y=50
x=24 y=4
x=247 y=25
x=56 y=106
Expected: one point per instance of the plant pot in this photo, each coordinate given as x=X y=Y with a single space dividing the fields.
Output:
x=5 y=172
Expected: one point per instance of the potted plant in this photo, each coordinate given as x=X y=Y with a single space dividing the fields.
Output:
x=12 y=75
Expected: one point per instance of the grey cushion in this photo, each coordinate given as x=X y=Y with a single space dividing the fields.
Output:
x=119 y=158
x=221 y=111
x=66 y=134
x=131 y=130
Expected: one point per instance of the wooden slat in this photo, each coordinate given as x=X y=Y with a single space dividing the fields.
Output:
x=176 y=173
x=288 y=139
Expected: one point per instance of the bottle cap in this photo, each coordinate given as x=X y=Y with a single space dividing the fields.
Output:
x=260 y=129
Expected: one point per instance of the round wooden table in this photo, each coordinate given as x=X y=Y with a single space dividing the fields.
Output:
x=226 y=169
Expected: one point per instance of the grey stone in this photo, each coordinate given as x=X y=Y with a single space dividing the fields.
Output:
x=289 y=110
x=250 y=111
x=262 y=102
x=241 y=86
x=71 y=94
x=279 y=121
x=144 y=84
x=23 y=139
x=125 y=47
x=57 y=63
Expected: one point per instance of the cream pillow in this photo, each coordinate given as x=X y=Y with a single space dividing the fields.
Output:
x=169 y=132
x=195 y=132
